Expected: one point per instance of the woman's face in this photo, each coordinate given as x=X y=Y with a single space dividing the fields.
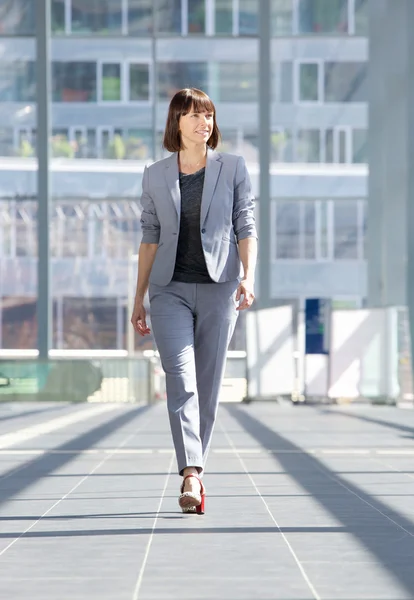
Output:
x=196 y=128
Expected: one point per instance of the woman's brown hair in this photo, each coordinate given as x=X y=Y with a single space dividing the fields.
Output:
x=181 y=104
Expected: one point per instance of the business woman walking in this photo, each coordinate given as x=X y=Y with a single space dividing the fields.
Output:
x=198 y=230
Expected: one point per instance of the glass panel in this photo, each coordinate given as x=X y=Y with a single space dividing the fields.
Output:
x=138 y=144
x=168 y=16
x=58 y=16
x=323 y=16
x=74 y=81
x=196 y=16
x=309 y=230
x=284 y=82
x=237 y=82
x=19 y=322
x=345 y=230
x=111 y=82
x=248 y=17
x=17 y=81
x=224 y=16
x=287 y=229
x=97 y=16
x=138 y=82
x=175 y=76
x=359 y=146
x=282 y=17
x=361 y=17
x=329 y=146
x=308 y=82
x=89 y=323
x=17 y=17
x=6 y=141
x=324 y=240
x=281 y=146
x=140 y=17
x=346 y=82
x=308 y=147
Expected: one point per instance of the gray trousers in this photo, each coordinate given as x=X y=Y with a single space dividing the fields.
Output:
x=192 y=325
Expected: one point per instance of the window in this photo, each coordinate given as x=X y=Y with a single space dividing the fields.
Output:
x=237 y=82
x=58 y=16
x=17 y=81
x=17 y=17
x=323 y=230
x=168 y=16
x=138 y=82
x=281 y=17
x=359 y=146
x=140 y=17
x=309 y=82
x=224 y=17
x=281 y=146
x=248 y=17
x=288 y=230
x=361 y=17
x=284 y=82
x=97 y=16
x=309 y=230
x=308 y=146
x=6 y=141
x=74 y=81
x=111 y=82
x=323 y=16
x=346 y=82
x=345 y=229
x=196 y=16
x=174 y=76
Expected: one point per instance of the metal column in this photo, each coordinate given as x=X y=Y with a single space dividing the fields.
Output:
x=44 y=313
x=264 y=92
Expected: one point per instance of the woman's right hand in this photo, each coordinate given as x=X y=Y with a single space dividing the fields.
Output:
x=138 y=318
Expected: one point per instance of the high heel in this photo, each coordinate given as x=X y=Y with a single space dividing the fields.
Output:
x=197 y=504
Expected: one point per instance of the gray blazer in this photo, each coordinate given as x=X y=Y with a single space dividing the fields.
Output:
x=227 y=208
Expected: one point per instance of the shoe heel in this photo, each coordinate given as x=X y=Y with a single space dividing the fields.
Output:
x=200 y=507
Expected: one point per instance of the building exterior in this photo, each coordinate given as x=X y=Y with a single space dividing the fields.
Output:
x=115 y=64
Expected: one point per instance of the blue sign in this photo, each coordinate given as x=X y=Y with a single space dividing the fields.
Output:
x=317 y=326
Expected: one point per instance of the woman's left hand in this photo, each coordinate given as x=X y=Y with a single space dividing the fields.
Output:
x=245 y=289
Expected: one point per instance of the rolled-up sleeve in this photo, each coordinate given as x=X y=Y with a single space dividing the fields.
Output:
x=150 y=224
x=244 y=221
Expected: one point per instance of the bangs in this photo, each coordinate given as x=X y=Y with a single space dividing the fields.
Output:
x=197 y=101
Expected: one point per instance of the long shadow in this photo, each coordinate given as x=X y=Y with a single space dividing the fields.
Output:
x=15 y=480
x=28 y=413
x=387 y=424
x=392 y=547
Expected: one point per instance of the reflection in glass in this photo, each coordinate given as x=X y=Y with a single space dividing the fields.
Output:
x=6 y=141
x=58 y=16
x=323 y=16
x=281 y=146
x=282 y=16
x=174 y=76
x=359 y=146
x=308 y=82
x=17 y=17
x=89 y=323
x=74 y=81
x=224 y=17
x=138 y=82
x=287 y=230
x=361 y=17
x=168 y=16
x=248 y=17
x=97 y=16
x=17 y=81
x=308 y=146
x=346 y=82
x=140 y=17
x=345 y=229
x=18 y=322
x=237 y=82
x=196 y=16
x=111 y=82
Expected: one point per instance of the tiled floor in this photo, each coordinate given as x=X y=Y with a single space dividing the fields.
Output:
x=302 y=503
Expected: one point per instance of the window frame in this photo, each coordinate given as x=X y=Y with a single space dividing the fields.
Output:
x=297 y=63
x=127 y=89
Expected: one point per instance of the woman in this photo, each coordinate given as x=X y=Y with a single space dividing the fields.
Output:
x=198 y=228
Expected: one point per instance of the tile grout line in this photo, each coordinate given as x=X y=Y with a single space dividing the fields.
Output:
x=103 y=461
x=291 y=550
x=138 y=584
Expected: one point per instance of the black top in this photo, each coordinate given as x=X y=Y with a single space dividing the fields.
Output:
x=190 y=263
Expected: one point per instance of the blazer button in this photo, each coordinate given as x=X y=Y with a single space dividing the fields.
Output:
x=203 y=231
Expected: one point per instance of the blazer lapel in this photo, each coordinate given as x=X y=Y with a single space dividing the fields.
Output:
x=173 y=182
x=213 y=168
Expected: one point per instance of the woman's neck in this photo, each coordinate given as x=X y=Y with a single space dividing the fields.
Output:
x=193 y=157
